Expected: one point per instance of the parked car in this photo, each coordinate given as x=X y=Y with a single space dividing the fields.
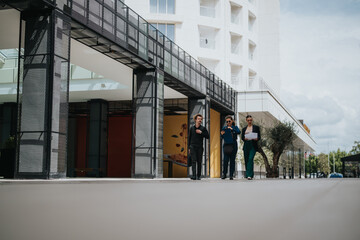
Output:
x=335 y=175
x=321 y=175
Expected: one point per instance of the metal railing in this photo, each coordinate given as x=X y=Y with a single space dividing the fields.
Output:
x=144 y=45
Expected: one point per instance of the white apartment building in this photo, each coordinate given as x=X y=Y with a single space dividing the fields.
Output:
x=239 y=41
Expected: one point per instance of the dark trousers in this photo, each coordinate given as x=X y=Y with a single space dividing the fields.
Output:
x=230 y=158
x=196 y=158
x=249 y=154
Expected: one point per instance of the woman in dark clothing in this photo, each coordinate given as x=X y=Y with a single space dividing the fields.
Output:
x=250 y=146
x=195 y=145
x=229 y=134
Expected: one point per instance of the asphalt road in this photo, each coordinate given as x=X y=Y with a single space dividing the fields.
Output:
x=180 y=209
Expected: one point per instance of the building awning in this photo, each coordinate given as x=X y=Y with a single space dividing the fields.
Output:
x=352 y=158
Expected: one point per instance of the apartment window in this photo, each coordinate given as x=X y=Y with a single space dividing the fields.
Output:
x=252 y=20
x=207 y=37
x=236 y=44
x=208 y=8
x=162 y=6
x=235 y=12
x=252 y=50
x=236 y=72
x=167 y=29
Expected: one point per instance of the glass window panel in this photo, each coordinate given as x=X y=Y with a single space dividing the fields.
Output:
x=142 y=24
x=109 y=20
x=152 y=30
x=110 y=3
x=95 y=14
x=143 y=45
x=171 y=6
x=162 y=28
x=121 y=8
x=153 y=6
x=167 y=61
x=162 y=6
x=133 y=17
x=170 y=33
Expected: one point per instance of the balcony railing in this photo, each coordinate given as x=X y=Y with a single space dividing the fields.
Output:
x=207 y=11
x=207 y=43
x=128 y=38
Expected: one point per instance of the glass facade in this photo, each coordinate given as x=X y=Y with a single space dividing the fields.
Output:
x=162 y=6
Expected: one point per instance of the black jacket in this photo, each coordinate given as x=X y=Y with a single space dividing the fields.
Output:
x=255 y=129
x=197 y=139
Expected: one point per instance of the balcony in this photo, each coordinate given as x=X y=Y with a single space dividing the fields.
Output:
x=236 y=44
x=208 y=8
x=252 y=51
x=251 y=21
x=235 y=79
x=235 y=12
x=236 y=72
x=207 y=11
x=207 y=43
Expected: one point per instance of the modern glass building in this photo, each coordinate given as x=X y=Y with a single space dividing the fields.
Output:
x=90 y=88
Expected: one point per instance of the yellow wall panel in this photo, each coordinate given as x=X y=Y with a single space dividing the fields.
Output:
x=175 y=144
x=215 y=141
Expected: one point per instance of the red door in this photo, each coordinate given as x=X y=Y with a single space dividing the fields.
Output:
x=119 y=146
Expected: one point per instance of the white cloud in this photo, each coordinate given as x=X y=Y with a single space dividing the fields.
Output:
x=320 y=70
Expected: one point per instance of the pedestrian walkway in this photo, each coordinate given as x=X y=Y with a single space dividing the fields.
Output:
x=180 y=209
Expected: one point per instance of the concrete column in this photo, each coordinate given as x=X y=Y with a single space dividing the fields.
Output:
x=148 y=101
x=98 y=128
x=43 y=94
x=201 y=106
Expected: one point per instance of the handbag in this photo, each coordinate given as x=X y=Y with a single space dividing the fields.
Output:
x=228 y=148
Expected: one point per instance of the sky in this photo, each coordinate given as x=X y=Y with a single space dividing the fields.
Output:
x=320 y=68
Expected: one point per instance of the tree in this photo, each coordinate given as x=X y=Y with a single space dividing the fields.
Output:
x=356 y=148
x=337 y=155
x=276 y=139
x=317 y=163
x=323 y=163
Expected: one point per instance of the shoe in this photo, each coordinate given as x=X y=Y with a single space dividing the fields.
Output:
x=223 y=177
x=231 y=178
x=198 y=178
x=193 y=178
x=249 y=178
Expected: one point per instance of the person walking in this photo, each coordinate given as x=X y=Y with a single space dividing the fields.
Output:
x=250 y=145
x=195 y=145
x=229 y=133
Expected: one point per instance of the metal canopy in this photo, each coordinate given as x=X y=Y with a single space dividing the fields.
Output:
x=114 y=29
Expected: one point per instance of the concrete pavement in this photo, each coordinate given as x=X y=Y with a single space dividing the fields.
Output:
x=180 y=209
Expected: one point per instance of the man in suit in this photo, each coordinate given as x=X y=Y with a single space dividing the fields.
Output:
x=195 y=145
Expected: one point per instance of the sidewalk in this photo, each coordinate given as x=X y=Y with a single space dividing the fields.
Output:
x=180 y=209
